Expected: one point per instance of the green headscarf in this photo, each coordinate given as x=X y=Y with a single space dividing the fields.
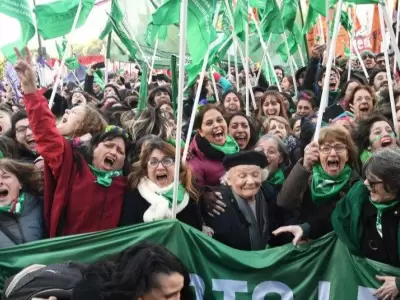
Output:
x=277 y=178
x=230 y=146
x=104 y=178
x=16 y=207
x=169 y=195
x=381 y=207
x=324 y=186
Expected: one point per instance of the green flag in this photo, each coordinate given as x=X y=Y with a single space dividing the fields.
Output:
x=143 y=89
x=20 y=11
x=55 y=19
x=281 y=49
x=240 y=18
x=116 y=14
x=321 y=269
x=289 y=12
x=259 y=4
x=121 y=33
x=272 y=22
x=70 y=62
x=174 y=85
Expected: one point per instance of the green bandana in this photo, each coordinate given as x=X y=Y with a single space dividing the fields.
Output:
x=381 y=207
x=16 y=207
x=277 y=178
x=173 y=142
x=104 y=178
x=169 y=195
x=365 y=155
x=230 y=146
x=334 y=94
x=324 y=186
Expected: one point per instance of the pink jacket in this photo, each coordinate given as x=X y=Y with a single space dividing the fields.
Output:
x=206 y=171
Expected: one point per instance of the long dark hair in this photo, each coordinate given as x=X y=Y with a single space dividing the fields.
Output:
x=132 y=273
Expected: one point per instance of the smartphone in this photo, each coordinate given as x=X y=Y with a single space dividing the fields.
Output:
x=332 y=112
x=99 y=65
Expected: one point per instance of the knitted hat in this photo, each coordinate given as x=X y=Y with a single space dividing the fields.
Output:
x=251 y=157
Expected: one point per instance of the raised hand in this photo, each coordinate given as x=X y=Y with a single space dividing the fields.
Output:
x=25 y=71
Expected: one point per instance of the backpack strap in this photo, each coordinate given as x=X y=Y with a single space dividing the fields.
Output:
x=8 y=234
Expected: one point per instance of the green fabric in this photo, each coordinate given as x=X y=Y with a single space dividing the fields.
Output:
x=173 y=142
x=143 y=89
x=1 y=154
x=116 y=14
x=289 y=12
x=324 y=187
x=170 y=195
x=218 y=271
x=105 y=178
x=55 y=19
x=277 y=178
x=16 y=207
x=98 y=80
x=174 y=84
x=230 y=146
x=21 y=11
x=334 y=94
x=381 y=207
x=70 y=62
x=365 y=155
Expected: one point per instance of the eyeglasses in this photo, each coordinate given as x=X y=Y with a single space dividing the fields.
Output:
x=22 y=129
x=328 y=148
x=166 y=162
x=371 y=184
x=266 y=152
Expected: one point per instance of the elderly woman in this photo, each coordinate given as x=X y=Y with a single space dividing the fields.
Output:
x=210 y=146
x=272 y=104
x=152 y=181
x=277 y=157
x=250 y=213
x=318 y=182
x=231 y=102
x=242 y=130
x=372 y=134
x=21 y=210
x=367 y=218
x=83 y=191
x=278 y=127
x=361 y=102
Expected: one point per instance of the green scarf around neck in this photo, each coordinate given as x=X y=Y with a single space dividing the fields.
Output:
x=277 y=178
x=105 y=178
x=16 y=207
x=365 y=155
x=169 y=195
x=173 y=142
x=230 y=146
x=381 y=207
x=324 y=187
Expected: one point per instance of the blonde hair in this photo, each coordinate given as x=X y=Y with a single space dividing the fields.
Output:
x=139 y=168
x=92 y=123
x=267 y=123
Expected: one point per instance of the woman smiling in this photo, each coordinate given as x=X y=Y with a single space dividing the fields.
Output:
x=272 y=104
x=320 y=179
x=152 y=181
x=210 y=146
x=242 y=130
x=361 y=101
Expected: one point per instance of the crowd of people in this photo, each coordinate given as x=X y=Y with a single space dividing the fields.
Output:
x=253 y=180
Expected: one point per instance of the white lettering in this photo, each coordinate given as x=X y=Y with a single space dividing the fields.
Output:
x=229 y=287
x=198 y=283
x=269 y=287
x=324 y=290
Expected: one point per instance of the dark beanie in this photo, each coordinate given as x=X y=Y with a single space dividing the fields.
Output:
x=250 y=157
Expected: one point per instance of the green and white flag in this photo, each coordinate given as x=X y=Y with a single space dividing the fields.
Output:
x=321 y=270
x=55 y=19
x=20 y=11
x=70 y=62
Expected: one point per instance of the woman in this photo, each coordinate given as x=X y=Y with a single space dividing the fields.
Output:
x=287 y=84
x=346 y=91
x=278 y=127
x=79 y=97
x=210 y=145
x=277 y=157
x=242 y=130
x=152 y=182
x=367 y=220
x=305 y=105
x=296 y=126
x=250 y=209
x=21 y=210
x=318 y=182
x=272 y=104
x=83 y=193
x=372 y=134
x=161 y=93
x=231 y=102
x=361 y=102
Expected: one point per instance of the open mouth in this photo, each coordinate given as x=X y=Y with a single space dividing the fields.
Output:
x=272 y=112
x=364 y=110
x=109 y=162
x=384 y=84
x=162 y=178
x=333 y=165
x=241 y=139
x=64 y=119
x=3 y=193
x=386 y=141
x=31 y=142
x=332 y=85
x=219 y=136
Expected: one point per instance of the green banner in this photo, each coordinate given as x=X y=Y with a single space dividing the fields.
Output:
x=321 y=270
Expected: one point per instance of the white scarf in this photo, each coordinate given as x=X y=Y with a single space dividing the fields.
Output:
x=159 y=206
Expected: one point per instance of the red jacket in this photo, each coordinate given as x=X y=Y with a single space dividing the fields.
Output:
x=73 y=202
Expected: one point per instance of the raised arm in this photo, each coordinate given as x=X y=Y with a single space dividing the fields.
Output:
x=49 y=142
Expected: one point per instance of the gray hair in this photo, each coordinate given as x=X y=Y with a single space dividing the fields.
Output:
x=385 y=164
x=264 y=176
x=281 y=145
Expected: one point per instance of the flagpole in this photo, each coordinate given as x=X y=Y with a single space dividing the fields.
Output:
x=53 y=94
x=382 y=11
x=246 y=70
x=351 y=41
x=321 y=30
x=39 y=39
x=181 y=85
x=327 y=12
x=325 y=90
x=152 y=61
x=290 y=63
x=236 y=69
x=392 y=37
x=214 y=86
x=397 y=33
